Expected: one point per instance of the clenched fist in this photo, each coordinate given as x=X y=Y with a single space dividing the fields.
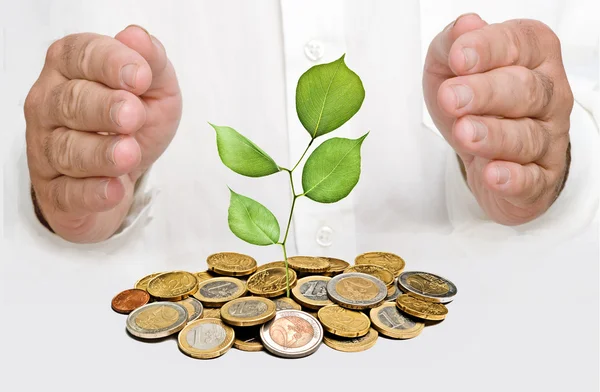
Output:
x=500 y=96
x=100 y=114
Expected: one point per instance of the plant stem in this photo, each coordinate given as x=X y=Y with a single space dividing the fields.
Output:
x=302 y=157
x=287 y=232
x=287 y=229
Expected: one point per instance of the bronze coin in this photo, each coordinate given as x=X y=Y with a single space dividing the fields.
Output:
x=129 y=300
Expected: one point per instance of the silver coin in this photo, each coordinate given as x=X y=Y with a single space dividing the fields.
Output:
x=355 y=290
x=193 y=307
x=426 y=286
x=218 y=289
x=157 y=320
x=292 y=334
x=395 y=295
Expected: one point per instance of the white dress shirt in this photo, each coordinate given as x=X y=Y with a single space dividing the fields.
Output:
x=238 y=63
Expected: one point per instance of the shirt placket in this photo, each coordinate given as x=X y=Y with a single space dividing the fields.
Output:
x=314 y=33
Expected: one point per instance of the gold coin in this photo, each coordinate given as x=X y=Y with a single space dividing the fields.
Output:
x=391 y=322
x=206 y=338
x=216 y=292
x=248 y=311
x=272 y=264
x=352 y=345
x=390 y=261
x=421 y=309
x=271 y=282
x=285 y=303
x=173 y=286
x=336 y=266
x=142 y=284
x=211 y=313
x=248 y=339
x=344 y=322
x=204 y=275
x=231 y=264
x=311 y=292
x=308 y=264
x=382 y=273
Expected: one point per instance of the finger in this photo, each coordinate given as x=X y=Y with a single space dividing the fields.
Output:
x=83 y=154
x=91 y=106
x=84 y=196
x=101 y=59
x=164 y=80
x=521 y=185
x=523 y=42
x=436 y=61
x=513 y=92
x=522 y=140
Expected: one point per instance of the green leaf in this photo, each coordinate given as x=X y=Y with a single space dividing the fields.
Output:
x=327 y=96
x=251 y=221
x=241 y=155
x=332 y=170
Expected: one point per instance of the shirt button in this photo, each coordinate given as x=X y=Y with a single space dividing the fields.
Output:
x=314 y=50
x=325 y=236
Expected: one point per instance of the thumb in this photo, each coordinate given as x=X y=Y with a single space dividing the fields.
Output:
x=437 y=69
x=437 y=55
x=164 y=80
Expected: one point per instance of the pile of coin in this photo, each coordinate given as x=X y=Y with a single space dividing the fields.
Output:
x=236 y=303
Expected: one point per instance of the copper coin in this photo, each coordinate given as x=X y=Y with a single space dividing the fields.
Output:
x=129 y=300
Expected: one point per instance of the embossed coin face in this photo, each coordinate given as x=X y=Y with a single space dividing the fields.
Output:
x=285 y=303
x=142 y=284
x=427 y=286
x=248 y=339
x=217 y=291
x=231 y=264
x=344 y=322
x=173 y=286
x=336 y=266
x=206 y=338
x=421 y=309
x=156 y=320
x=311 y=292
x=308 y=264
x=390 y=261
x=127 y=301
x=384 y=274
x=193 y=307
x=355 y=290
x=351 y=345
x=271 y=265
x=270 y=282
x=248 y=311
x=389 y=321
x=292 y=334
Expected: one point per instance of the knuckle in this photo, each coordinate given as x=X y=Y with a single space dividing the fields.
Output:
x=85 y=57
x=57 y=196
x=65 y=156
x=32 y=102
x=69 y=47
x=513 y=45
x=70 y=101
x=54 y=51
